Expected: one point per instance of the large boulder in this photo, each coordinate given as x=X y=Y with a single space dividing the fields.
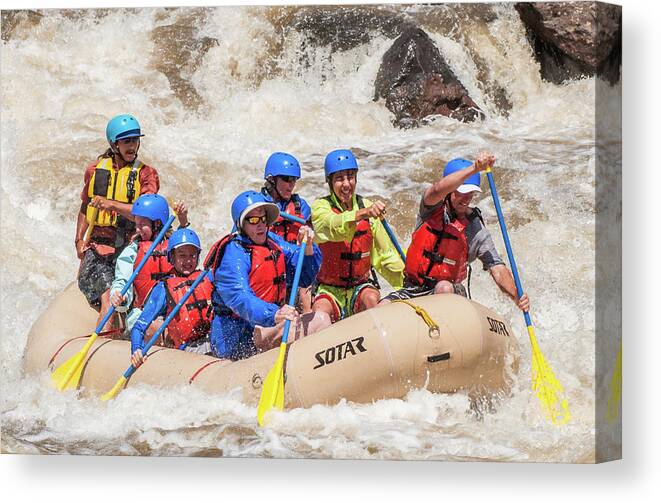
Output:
x=345 y=27
x=416 y=82
x=574 y=39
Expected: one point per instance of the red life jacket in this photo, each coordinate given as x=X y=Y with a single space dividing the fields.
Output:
x=155 y=269
x=439 y=250
x=194 y=318
x=267 y=276
x=287 y=229
x=347 y=263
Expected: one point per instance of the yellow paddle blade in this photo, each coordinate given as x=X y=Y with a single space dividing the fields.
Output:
x=613 y=410
x=273 y=389
x=115 y=389
x=547 y=387
x=67 y=375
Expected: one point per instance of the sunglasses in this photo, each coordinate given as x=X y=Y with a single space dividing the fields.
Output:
x=288 y=179
x=256 y=220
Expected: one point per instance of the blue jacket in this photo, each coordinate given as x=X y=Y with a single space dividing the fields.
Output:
x=231 y=337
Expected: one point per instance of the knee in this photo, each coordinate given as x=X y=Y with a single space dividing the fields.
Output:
x=443 y=287
x=320 y=320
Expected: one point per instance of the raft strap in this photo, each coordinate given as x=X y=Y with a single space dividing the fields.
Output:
x=434 y=331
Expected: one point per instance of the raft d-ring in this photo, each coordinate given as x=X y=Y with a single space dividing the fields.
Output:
x=434 y=330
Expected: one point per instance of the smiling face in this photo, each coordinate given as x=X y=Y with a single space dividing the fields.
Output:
x=128 y=148
x=144 y=227
x=257 y=231
x=344 y=186
x=460 y=202
x=185 y=259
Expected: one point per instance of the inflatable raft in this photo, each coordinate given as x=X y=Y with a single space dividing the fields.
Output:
x=380 y=353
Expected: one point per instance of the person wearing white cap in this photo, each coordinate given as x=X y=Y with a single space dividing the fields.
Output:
x=450 y=234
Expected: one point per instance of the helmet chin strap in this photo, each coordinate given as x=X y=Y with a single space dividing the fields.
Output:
x=271 y=185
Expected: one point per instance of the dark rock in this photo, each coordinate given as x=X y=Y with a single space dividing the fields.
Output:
x=13 y=19
x=178 y=52
x=343 y=28
x=416 y=82
x=574 y=39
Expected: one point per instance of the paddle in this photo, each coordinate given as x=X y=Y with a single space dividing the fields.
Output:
x=273 y=390
x=90 y=225
x=293 y=218
x=68 y=374
x=129 y=371
x=547 y=387
x=613 y=410
x=392 y=237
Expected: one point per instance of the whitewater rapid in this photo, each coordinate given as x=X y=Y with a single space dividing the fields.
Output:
x=213 y=107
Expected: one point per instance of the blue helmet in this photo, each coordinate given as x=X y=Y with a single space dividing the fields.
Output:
x=247 y=201
x=472 y=183
x=339 y=160
x=182 y=237
x=283 y=164
x=122 y=126
x=151 y=206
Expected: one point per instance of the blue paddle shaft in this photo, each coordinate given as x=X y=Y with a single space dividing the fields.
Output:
x=169 y=318
x=294 y=287
x=506 y=238
x=293 y=218
x=128 y=284
x=392 y=237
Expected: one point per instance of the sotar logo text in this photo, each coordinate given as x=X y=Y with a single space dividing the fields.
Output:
x=342 y=350
x=497 y=327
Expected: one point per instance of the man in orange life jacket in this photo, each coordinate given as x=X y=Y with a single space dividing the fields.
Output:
x=352 y=241
x=151 y=212
x=281 y=172
x=450 y=234
x=250 y=268
x=190 y=327
x=112 y=184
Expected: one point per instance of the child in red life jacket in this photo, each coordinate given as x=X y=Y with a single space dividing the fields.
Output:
x=281 y=173
x=189 y=329
x=151 y=213
x=250 y=270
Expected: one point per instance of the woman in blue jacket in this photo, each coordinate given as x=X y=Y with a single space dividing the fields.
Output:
x=250 y=273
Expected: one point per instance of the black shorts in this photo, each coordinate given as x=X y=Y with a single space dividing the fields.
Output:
x=95 y=276
x=413 y=291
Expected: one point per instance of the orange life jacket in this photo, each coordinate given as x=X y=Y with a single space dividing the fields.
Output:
x=347 y=263
x=155 y=269
x=194 y=318
x=439 y=250
x=287 y=229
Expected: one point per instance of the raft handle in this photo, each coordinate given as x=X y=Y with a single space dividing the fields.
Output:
x=434 y=331
x=438 y=358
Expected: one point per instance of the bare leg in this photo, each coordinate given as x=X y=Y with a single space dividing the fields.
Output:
x=367 y=299
x=444 y=287
x=305 y=299
x=105 y=307
x=316 y=321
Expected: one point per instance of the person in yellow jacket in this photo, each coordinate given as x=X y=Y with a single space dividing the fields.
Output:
x=353 y=241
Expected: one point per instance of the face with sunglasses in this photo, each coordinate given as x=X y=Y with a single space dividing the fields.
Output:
x=254 y=226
